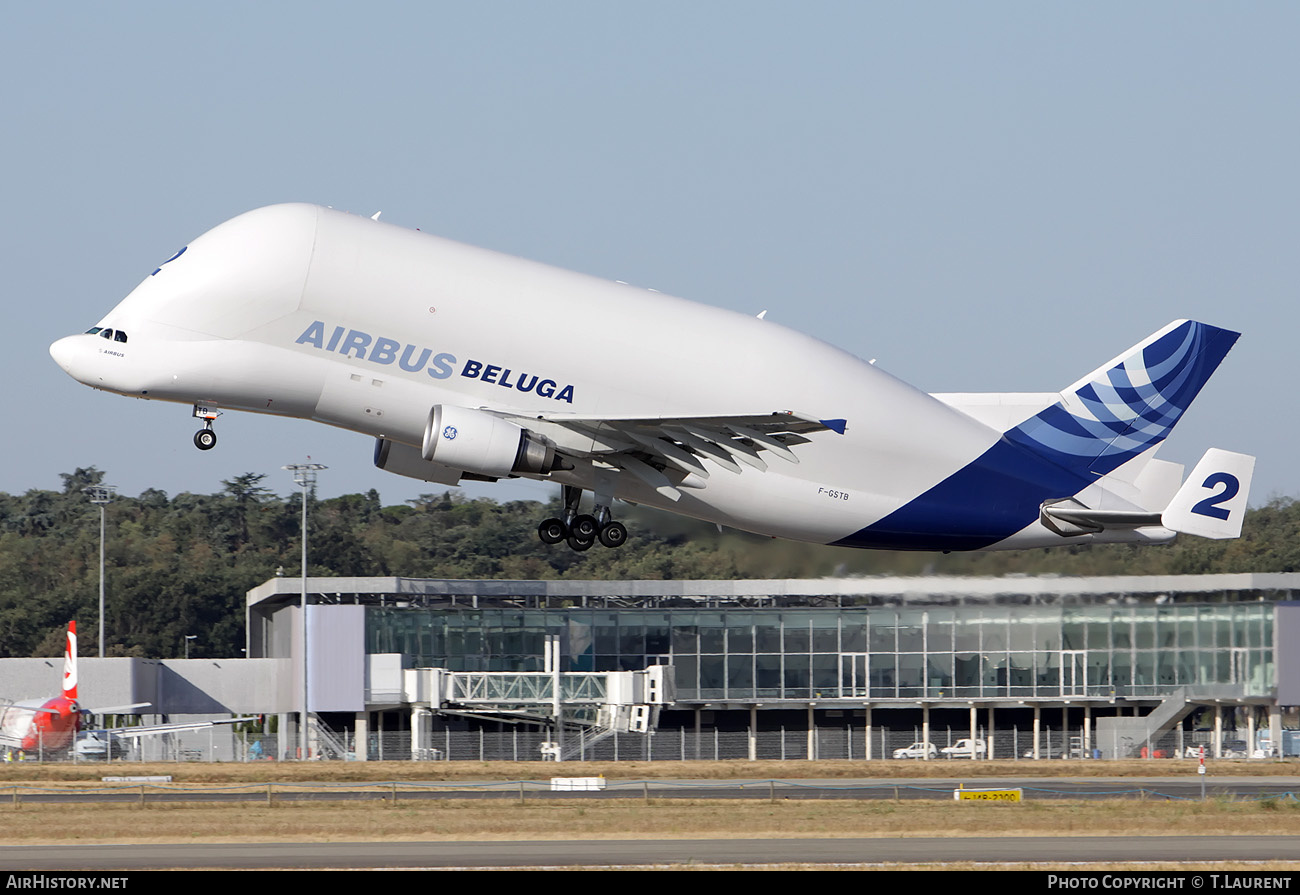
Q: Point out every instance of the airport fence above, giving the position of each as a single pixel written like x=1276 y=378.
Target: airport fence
x=851 y=742
x=784 y=744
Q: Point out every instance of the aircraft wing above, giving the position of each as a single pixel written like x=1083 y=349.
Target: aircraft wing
x=665 y=451
x=126 y=709
x=151 y=729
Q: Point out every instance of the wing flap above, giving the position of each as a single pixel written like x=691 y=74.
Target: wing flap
x=657 y=450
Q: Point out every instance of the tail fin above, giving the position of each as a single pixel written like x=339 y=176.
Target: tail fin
x=70 y=663
x=1128 y=405
x=1212 y=502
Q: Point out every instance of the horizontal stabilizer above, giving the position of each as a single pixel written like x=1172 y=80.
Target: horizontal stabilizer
x=1069 y=518
x=133 y=708
x=1212 y=502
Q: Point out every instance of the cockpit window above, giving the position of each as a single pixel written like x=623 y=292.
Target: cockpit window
x=93 y=330
x=106 y=334
x=120 y=336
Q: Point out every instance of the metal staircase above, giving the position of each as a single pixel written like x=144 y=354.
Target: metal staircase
x=326 y=743
x=1125 y=737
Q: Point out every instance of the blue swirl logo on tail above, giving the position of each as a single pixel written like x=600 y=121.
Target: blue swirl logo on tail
x=1119 y=411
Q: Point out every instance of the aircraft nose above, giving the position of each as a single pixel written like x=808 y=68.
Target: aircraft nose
x=64 y=352
x=76 y=355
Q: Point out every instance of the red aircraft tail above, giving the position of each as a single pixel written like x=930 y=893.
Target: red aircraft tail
x=70 y=663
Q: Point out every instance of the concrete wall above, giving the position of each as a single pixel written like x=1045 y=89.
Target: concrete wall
x=171 y=686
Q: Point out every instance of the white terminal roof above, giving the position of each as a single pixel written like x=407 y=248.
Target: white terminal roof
x=925 y=589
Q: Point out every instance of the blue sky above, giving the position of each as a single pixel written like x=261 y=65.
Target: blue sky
x=984 y=197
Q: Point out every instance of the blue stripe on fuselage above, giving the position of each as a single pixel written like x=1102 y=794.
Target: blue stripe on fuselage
x=979 y=505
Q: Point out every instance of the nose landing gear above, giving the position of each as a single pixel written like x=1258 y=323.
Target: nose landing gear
x=205 y=439
x=581 y=531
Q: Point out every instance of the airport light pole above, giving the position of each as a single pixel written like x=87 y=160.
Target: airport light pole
x=304 y=474
x=188 y=638
x=101 y=495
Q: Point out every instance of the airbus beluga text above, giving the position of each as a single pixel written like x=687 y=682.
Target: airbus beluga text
x=467 y=364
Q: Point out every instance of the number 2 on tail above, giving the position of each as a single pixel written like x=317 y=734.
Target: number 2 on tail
x=1210 y=506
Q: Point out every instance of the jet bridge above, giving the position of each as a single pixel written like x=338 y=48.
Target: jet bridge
x=602 y=703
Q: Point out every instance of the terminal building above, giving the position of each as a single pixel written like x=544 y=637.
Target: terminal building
x=830 y=668
x=861 y=668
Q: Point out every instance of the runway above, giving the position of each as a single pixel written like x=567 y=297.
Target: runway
x=1034 y=788
x=1194 y=850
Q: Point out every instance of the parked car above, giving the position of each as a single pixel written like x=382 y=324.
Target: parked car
x=966 y=748
x=917 y=750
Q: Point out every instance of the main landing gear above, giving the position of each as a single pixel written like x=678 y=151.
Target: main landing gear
x=205 y=439
x=581 y=531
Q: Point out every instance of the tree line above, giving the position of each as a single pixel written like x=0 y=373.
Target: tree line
x=181 y=565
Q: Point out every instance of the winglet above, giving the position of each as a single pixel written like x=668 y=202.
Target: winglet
x=835 y=425
x=1212 y=502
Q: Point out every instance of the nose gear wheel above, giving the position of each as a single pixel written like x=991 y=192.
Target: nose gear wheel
x=205 y=439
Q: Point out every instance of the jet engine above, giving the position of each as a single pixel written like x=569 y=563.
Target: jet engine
x=403 y=459
x=484 y=444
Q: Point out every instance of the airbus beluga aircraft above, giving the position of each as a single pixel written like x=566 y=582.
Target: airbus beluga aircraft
x=467 y=364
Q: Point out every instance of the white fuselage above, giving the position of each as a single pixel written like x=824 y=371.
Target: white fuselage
x=307 y=312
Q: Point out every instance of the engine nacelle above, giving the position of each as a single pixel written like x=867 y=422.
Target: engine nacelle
x=484 y=444
x=402 y=459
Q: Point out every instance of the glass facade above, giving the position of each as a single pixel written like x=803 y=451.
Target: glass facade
x=960 y=652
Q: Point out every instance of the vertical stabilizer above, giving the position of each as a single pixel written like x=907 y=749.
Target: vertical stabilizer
x=1129 y=405
x=70 y=663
